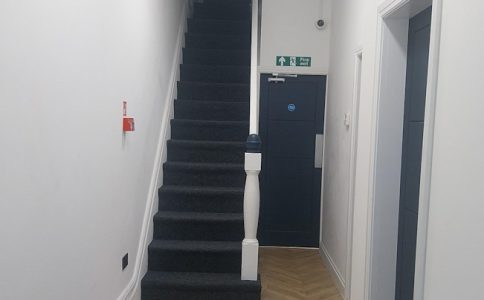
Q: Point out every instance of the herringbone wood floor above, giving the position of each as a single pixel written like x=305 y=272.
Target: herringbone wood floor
x=290 y=274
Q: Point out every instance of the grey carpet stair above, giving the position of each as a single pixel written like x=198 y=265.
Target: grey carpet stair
x=222 y=2
x=213 y=91
x=197 y=232
x=221 y=57
x=219 y=26
x=217 y=41
x=198 y=226
x=201 y=199
x=205 y=151
x=215 y=73
x=203 y=130
x=198 y=286
x=222 y=11
x=204 y=174
x=194 y=256
x=212 y=110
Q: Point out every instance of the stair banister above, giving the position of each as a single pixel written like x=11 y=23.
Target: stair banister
x=253 y=162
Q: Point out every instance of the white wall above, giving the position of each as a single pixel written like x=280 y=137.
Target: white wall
x=288 y=28
x=455 y=244
x=73 y=191
x=346 y=40
x=354 y=28
x=455 y=241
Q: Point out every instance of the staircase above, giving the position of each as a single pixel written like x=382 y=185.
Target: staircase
x=196 y=251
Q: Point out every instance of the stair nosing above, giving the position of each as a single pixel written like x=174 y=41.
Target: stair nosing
x=202 y=280
x=218 y=66
x=191 y=188
x=218 y=49
x=212 y=83
x=198 y=216
x=214 y=102
x=216 y=34
x=210 y=188
x=192 y=245
x=221 y=165
x=214 y=143
x=212 y=121
x=245 y=22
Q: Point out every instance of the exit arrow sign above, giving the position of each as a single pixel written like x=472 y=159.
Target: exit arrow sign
x=293 y=61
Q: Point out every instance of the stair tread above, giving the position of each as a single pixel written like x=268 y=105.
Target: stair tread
x=216 y=57
x=216 y=281
x=225 y=5
x=215 y=73
x=210 y=122
x=236 y=2
x=198 y=216
x=208 y=102
x=241 y=51
x=217 y=67
x=219 y=91
x=217 y=41
x=200 y=189
x=225 y=1
x=206 y=34
x=212 y=110
x=206 y=143
x=212 y=83
x=202 y=165
x=217 y=25
x=196 y=246
x=222 y=21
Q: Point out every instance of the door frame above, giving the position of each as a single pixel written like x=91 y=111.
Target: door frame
x=354 y=117
x=387 y=136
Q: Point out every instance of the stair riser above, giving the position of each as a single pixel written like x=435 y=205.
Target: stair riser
x=215 y=74
x=216 y=57
x=218 y=27
x=202 y=202
x=209 y=132
x=227 y=42
x=182 y=153
x=204 y=178
x=197 y=294
x=190 y=261
x=223 y=2
x=222 y=12
x=232 y=93
x=198 y=230
x=200 y=110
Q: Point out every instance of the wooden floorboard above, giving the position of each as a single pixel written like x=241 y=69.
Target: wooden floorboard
x=289 y=274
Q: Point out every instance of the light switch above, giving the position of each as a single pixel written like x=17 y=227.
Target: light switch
x=347 y=120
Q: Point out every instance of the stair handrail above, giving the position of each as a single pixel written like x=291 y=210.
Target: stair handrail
x=253 y=161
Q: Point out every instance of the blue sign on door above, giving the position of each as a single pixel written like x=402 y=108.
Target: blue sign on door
x=291 y=107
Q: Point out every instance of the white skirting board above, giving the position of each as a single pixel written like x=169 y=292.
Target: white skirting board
x=335 y=273
x=132 y=290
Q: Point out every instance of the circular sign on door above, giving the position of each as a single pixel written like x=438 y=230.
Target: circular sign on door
x=291 y=107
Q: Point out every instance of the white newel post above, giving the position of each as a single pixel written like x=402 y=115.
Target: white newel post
x=253 y=162
x=250 y=244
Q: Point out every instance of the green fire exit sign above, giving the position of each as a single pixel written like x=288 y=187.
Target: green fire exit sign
x=293 y=61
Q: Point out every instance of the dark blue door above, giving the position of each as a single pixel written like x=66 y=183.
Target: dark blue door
x=292 y=112
x=417 y=66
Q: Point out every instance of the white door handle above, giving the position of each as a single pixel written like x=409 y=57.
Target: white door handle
x=276 y=80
